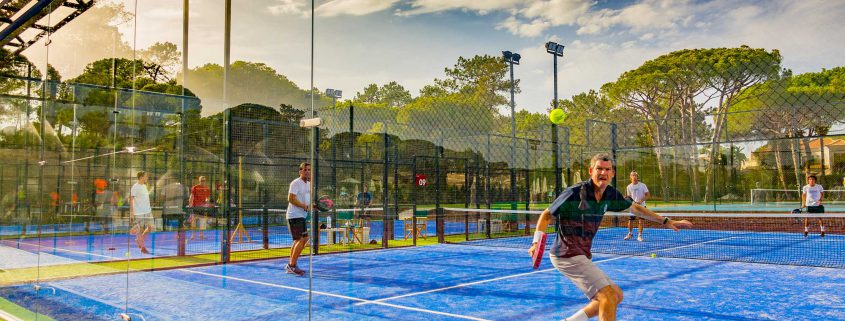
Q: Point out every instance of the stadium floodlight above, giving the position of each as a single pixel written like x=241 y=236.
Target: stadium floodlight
x=511 y=57
x=334 y=94
x=554 y=48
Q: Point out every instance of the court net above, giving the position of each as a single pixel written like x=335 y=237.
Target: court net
x=770 y=238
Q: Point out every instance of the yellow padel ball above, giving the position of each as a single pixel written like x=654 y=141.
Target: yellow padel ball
x=557 y=116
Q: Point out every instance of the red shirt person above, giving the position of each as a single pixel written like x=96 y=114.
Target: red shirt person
x=200 y=202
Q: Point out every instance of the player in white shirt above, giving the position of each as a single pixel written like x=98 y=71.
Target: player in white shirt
x=141 y=211
x=299 y=200
x=811 y=197
x=638 y=192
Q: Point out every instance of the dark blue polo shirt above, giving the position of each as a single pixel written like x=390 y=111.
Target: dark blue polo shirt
x=578 y=216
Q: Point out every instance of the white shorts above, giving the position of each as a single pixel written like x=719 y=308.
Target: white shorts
x=145 y=220
x=583 y=273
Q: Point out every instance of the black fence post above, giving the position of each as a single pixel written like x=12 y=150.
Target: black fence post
x=438 y=212
x=315 y=186
x=386 y=220
x=225 y=246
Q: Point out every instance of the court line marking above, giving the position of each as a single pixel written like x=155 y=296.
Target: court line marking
x=524 y=274
x=76 y=252
x=334 y=295
x=8 y=316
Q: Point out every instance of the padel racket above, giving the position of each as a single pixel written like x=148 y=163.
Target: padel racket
x=538 y=252
x=325 y=204
x=797 y=211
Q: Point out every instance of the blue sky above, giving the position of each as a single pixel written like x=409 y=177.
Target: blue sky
x=359 y=42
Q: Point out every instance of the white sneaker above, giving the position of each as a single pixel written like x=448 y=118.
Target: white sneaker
x=639 y=238
x=628 y=237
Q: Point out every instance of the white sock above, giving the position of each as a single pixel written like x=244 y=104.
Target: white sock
x=578 y=316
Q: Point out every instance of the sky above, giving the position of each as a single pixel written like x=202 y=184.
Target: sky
x=359 y=42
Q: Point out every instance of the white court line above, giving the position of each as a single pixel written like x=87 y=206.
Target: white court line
x=72 y=251
x=335 y=295
x=7 y=316
x=523 y=274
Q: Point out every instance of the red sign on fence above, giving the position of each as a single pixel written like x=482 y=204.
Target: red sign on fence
x=420 y=180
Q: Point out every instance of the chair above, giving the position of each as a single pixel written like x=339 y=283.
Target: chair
x=421 y=226
x=353 y=227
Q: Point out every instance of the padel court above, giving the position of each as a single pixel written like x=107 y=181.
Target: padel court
x=477 y=281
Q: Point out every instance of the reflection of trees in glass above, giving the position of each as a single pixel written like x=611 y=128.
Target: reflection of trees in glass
x=249 y=82
x=788 y=111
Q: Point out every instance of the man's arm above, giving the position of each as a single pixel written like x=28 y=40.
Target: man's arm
x=542 y=224
x=648 y=214
x=646 y=196
x=803 y=198
x=293 y=200
x=191 y=198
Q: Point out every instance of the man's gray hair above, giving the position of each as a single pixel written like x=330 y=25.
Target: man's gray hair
x=605 y=157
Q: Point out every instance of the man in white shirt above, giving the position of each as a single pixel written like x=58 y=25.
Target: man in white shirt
x=638 y=192
x=811 y=197
x=299 y=198
x=141 y=211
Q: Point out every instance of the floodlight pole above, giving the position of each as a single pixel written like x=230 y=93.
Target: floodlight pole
x=512 y=58
x=557 y=51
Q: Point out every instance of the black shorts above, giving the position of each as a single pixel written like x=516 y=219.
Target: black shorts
x=297 y=228
x=815 y=209
x=203 y=211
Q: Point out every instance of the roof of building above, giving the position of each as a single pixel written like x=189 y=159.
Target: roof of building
x=24 y=22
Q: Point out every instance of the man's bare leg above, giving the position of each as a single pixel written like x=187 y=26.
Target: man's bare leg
x=592 y=309
x=821 y=227
x=608 y=298
x=640 y=230
x=297 y=248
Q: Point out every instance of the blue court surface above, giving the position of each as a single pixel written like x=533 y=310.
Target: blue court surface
x=113 y=246
x=445 y=282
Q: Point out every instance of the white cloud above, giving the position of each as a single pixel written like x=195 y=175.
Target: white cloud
x=288 y=7
x=531 y=29
x=557 y=12
x=646 y=16
x=479 y=6
x=353 y=7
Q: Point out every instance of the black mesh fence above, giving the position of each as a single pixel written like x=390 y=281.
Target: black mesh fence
x=708 y=135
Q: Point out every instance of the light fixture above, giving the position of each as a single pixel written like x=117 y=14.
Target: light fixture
x=554 y=48
x=511 y=57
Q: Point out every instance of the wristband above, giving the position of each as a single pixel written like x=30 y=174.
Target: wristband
x=537 y=236
x=665 y=220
